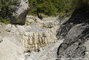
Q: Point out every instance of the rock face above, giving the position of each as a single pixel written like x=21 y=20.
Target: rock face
x=9 y=50
x=73 y=46
x=79 y=16
x=75 y=32
x=21 y=10
x=47 y=53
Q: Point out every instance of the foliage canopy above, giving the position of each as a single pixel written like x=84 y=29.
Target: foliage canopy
x=6 y=9
x=54 y=7
x=45 y=7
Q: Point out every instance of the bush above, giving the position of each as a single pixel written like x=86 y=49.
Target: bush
x=45 y=7
x=54 y=7
x=4 y=20
x=6 y=9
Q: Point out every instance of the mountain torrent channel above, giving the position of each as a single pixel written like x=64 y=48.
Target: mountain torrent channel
x=51 y=38
x=43 y=40
x=35 y=35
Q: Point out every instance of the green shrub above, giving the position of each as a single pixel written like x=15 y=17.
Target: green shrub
x=54 y=7
x=4 y=20
x=6 y=10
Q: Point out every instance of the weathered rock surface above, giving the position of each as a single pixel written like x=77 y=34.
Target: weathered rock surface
x=21 y=10
x=75 y=32
x=30 y=37
x=73 y=46
x=10 y=50
x=46 y=53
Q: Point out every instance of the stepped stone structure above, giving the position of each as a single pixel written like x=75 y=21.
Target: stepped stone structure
x=32 y=36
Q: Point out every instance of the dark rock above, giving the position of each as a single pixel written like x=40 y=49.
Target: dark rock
x=72 y=47
x=40 y=17
x=21 y=10
x=80 y=15
x=63 y=30
x=75 y=32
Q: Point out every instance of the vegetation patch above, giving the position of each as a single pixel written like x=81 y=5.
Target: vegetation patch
x=6 y=21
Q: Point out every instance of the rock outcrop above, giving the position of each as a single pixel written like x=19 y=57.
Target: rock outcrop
x=75 y=32
x=21 y=10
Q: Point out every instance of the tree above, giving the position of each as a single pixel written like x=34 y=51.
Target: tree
x=43 y=6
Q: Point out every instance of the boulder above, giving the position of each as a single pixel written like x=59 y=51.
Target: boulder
x=21 y=10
